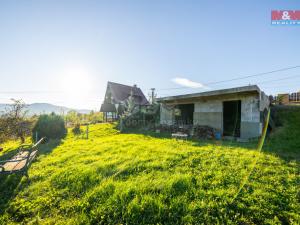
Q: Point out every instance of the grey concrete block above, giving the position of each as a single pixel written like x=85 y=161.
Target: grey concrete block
x=250 y=130
x=212 y=119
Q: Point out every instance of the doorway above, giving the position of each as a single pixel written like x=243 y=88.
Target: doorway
x=232 y=118
x=185 y=114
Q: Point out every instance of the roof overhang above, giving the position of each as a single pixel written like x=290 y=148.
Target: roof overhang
x=245 y=90
x=108 y=107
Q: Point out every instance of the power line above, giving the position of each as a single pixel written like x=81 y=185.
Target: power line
x=274 y=80
x=238 y=78
x=285 y=78
x=264 y=87
x=282 y=86
x=210 y=83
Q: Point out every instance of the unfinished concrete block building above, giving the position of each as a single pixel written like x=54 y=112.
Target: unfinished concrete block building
x=237 y=112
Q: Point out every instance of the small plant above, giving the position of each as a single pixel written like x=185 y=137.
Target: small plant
x=50 y=126
x=77 y=130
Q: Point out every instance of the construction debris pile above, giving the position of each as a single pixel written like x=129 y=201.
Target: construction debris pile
x=163 y=128
x=198 y=132
x=204 y=132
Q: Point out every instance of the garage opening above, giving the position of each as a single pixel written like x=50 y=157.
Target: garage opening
x=232 y=118
x=184 y=114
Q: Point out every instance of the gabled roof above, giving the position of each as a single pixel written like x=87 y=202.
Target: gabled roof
x=244 y=89
x=121 y=92
x=108 y=107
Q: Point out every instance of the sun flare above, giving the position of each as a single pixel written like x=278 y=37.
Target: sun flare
x=75 y=81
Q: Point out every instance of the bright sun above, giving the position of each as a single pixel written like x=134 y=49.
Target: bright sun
x=75 y=81
x=76 y=86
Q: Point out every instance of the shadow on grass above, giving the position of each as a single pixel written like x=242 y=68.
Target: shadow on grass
x=287 y=150
x=284 y=140
x=196 y=142
x=282 y=150
x=11 y=184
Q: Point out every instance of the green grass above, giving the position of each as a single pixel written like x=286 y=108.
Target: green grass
x=114 y=178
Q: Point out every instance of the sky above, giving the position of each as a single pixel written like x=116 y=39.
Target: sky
x=64 y=51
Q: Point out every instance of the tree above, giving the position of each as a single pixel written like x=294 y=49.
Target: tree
x=95 y=117
x=3 y=134
x=72 y=117
x=14 y=122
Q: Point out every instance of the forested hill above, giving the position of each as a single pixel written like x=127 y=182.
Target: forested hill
x=44 y=108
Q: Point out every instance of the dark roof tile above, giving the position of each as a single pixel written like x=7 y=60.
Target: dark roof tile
x=121 y=92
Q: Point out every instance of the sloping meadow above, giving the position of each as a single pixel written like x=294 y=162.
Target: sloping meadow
x=114 y=178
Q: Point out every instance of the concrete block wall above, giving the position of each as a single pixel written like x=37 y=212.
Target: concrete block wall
x=264 y=101
x=250 y=117
x=210 y=113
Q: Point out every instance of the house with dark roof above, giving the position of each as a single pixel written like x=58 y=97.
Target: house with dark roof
x=238 y=112
x=120 y=98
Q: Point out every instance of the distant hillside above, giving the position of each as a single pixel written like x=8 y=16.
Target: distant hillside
x=45 y=108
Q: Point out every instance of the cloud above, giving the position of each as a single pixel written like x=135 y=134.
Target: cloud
x=188 y=83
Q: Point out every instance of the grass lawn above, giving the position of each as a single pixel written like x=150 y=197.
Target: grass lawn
x=114 y=178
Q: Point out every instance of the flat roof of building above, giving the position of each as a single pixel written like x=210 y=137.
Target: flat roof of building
x=243 y=89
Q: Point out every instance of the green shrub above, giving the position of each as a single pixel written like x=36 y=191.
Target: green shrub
x=50 y=126
x=77 y=130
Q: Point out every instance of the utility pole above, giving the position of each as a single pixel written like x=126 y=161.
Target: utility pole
x=152 y=95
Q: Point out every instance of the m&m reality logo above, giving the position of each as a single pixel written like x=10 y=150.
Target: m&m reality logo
x=285 y=17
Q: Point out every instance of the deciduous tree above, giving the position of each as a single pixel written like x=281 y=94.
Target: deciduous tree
x=14 y=122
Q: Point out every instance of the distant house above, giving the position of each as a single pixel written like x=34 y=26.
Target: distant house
x=119 y=98
x=287 y=99
x=235 y=112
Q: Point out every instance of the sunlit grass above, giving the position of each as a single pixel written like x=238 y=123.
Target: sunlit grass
x=11 y=145
x=114 y=178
